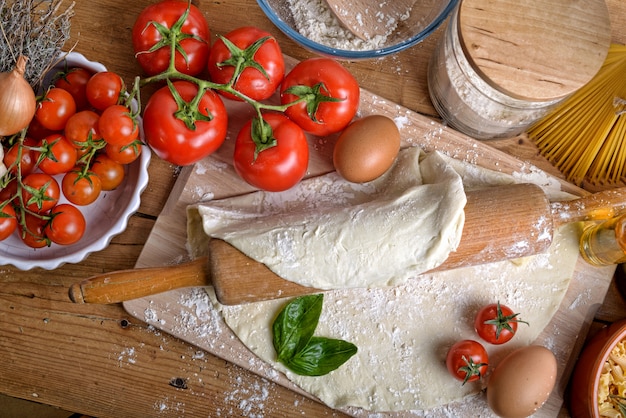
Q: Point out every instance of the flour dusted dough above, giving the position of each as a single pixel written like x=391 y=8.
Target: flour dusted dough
x=377 y=234
x=402 y=332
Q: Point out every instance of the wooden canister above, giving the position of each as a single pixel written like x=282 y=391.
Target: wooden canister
x=503 y=64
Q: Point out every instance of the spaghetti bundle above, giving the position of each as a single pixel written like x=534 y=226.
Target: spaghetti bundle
x=585 y=136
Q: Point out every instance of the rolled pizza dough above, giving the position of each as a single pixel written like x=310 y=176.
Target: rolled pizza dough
x=342 y=235
x=402 y=331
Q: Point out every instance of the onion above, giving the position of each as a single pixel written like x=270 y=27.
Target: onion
x=17 y=100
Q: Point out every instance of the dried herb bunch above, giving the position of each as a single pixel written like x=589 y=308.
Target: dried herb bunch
x=37 y=29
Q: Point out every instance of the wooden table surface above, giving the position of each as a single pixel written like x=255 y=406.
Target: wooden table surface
x=83 y=358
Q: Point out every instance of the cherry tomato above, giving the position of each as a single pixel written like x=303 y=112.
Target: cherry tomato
x=152 y=48
x=57 y=155
x=252 y=82
x=8 y=221
x=278 y=167
x=170 y=138
x=81 y=188
x=104 y=89
x=55 y=109
x=33 y=234
x=117 y=125
x=496 y=323
x=111 y=174
x=9 y=192
x=82 y=129
x=74 y=81
x=27 y=157
x=467 y=360
x=40 y=192
x=332 y=91
x=66 y=226
x=124 y=154
x=37 y=131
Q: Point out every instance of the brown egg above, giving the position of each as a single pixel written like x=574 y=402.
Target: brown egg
x=521 y=383
x=366 y=148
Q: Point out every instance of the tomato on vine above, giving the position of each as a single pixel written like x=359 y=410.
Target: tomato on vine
x=181 y=129
x=8 y=220
x=104 y=89
x=272 y=154
x=81 y=187
x=66 y=225
x=467 y=360
x=31 y=231
x=257 y=56
x=123 y=154
x=55 y=108
x=329 y=96
x=82 y=129
x=74 y=81
x=152 y=32
x=56 y=155
x=496 y=323
x=118 y=126
x=22 y=156
x=111 y=174
x=40 y=192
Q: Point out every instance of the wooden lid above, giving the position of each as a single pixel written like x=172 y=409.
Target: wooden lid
x=535 y=50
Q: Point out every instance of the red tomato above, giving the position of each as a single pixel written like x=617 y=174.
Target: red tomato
x=74 y=81
x=40 y=192
x=55 y=109
x=111 y=174
x=332 y=95
x=66 y=226
x=57 y=155
x=32 y=232
x=37 y=131
x=117 y=125
x=8 y=221
x=123 y=154
x=82 y=129
x=9 y=192
x=467 y=360
x=27 y=157
x=275 y=168
x=171 y=138
x=258 y=50
x=496 y=323
x=104 y=89
x=152 y=48
x=81 y=188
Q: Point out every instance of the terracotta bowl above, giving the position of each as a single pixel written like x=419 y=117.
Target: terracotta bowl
x=585 y=379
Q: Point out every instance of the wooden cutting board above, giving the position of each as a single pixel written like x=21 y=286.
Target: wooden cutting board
x=185 y=314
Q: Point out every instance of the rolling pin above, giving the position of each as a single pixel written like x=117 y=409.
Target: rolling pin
x=501 y=223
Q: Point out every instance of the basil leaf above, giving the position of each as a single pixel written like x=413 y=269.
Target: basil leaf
x=321 y=356
x=295 y=324
x=295 y=345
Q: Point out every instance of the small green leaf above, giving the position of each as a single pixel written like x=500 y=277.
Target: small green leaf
x=298 y=349
x=295 y=324
x=321 y=356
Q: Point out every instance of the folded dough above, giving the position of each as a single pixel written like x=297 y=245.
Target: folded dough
x=331 y=234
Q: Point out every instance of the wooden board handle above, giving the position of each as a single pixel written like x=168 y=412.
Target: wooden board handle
x=122 y=285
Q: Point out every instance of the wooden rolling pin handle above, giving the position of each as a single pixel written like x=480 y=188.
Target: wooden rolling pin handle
x=122 y=285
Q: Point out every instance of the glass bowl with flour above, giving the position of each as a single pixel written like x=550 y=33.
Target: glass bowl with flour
x=312 y=24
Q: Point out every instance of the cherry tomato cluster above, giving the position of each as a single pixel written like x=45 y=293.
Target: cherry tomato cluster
x=76 y=147
x=186 y=120
x=467 y=360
